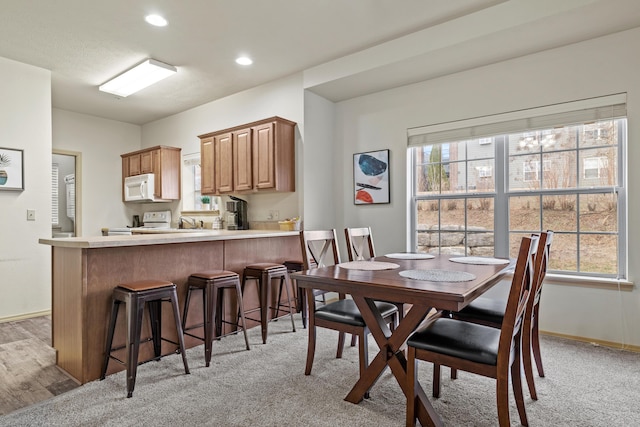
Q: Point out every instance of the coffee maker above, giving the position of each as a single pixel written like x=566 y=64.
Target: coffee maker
x=237 y=214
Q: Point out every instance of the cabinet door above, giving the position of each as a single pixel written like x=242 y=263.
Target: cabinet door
x=264 y=156
x=146 y=161
x=224 y=162
x=242 y=171
x=134 y=165
x=207 y=182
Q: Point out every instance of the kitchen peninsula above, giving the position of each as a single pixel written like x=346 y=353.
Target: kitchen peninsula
x=86 y=270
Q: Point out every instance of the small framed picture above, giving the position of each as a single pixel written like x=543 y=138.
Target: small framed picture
x=11 y=169
x=371 y=177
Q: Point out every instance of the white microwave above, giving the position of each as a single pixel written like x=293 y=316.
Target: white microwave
x=139 y=188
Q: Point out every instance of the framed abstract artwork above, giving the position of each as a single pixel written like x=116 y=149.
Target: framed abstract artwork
x=11 y=169
x=371 y=177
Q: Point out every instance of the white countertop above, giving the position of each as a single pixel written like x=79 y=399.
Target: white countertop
x=162 y=238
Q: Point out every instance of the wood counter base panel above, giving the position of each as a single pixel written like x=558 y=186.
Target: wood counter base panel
x=84 y=278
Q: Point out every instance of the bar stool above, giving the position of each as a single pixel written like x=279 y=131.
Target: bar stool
x=263 y=274
x=135 y=295
x=213 y=283
x=293 y=266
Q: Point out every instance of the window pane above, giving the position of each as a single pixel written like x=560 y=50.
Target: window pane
x=564 y=138
x=564 y=252
x=559 y=213
x=598 y=253
x=480 y=213
x=427 y=227
x=599 y=134
x=599 y=212
x=524 y=213
x=452 y=242
x=480 y=224
x=559 y=170
x=524 y=172
x=480 y=149
x=432 y=175
x=599 y=167
x=452 y=214
x=481 y=177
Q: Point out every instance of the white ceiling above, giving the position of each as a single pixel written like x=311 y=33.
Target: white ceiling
x=345 y=48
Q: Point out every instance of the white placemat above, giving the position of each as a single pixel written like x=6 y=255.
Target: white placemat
x=479 y=260
x=402 y=255
x=438 y=275
x=368 y=265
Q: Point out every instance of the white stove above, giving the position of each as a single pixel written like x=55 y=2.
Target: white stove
x=150 y=221
x=158 y=219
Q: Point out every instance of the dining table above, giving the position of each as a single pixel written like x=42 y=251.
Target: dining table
x=423 y=283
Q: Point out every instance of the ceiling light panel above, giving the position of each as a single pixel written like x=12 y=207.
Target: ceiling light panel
x=138 y=78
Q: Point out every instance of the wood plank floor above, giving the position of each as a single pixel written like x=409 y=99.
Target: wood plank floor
x=28 y=372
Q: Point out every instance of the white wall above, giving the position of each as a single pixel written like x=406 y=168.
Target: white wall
x=25 y=123
x=282 y=98
x=100 y=143
x=602 y=66
x=319 y=173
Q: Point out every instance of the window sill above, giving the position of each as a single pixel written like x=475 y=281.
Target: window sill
x=590 y=282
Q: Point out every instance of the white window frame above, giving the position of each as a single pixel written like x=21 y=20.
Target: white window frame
x=585 y=111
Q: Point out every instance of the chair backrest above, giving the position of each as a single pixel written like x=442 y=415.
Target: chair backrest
x=540 y=265
x=359 y=243
x=319 y=248
x=521 y=286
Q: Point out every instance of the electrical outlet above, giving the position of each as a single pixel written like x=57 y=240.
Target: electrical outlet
x=31 y=214
x=274 y=215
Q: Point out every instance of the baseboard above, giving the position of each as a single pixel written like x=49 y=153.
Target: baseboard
x=610 y=344
x=25 y=316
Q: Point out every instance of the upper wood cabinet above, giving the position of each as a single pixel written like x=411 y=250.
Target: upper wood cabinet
x=163 y=162
x=258 y=156
x=207 y=181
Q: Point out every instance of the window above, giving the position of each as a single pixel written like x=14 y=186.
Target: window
x=566 y=178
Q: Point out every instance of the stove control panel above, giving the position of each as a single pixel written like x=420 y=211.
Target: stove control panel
x=158 y=217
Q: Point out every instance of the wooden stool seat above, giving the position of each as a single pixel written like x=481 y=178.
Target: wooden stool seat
x=213 y=283
x=263 y=273
x=135 y=295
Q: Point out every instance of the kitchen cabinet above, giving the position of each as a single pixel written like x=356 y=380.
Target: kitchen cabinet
x=207 y=180
x=163 y=162
x=255 y=157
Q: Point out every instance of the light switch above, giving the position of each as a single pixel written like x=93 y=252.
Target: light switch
x=31 y=214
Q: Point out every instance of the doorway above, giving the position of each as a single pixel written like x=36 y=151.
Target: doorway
x=65 y=194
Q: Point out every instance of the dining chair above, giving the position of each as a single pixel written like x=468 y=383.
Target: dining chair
x=476 y=348
x=320 y=247
x=360 y=247
x=490 y=312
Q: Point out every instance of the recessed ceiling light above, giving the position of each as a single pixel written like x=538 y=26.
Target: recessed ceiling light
x=156 y=20
x=244 y=60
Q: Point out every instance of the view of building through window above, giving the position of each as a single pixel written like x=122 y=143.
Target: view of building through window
x=566 y=179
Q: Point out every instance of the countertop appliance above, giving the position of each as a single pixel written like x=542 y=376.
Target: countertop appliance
x=237 y=214
x=150 y=220
x=140 y=188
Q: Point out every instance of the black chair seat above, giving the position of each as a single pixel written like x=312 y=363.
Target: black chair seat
x=346 y=311
x=460 y=339
x=485 y=310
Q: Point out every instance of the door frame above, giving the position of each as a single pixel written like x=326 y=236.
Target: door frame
x=77 y=224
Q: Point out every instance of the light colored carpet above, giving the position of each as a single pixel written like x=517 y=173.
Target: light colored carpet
x=585 y=385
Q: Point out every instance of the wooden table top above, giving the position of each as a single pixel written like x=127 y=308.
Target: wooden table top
x=389 y=285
